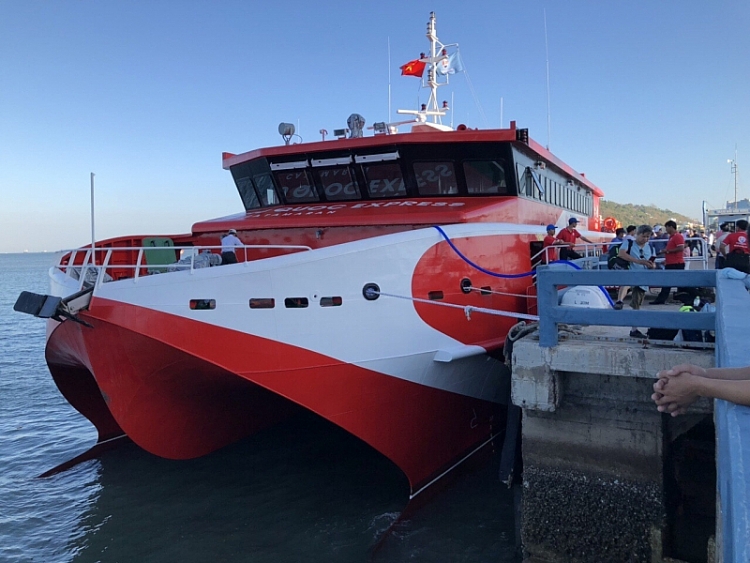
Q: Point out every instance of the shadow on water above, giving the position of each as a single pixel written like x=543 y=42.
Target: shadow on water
x=302 y=491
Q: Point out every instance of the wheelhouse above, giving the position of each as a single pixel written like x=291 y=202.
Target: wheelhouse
x=502 y=163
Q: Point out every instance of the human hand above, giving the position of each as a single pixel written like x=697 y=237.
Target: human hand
x=682 y=368
x=674 y=393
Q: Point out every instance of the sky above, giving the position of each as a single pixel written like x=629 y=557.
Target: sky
x=649 y=98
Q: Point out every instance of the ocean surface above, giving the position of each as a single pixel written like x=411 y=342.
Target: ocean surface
x=302 y=491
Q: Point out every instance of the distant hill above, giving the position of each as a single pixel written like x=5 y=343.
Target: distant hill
x=629 y=214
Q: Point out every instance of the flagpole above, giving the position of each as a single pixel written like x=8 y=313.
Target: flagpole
x=93 y=238
x=546 y=49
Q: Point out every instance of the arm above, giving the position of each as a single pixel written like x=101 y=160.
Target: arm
x=584 y=239
x=723 y=248
x=628 y=258
x=679 y=249
x=710 y=373
x=680 y=386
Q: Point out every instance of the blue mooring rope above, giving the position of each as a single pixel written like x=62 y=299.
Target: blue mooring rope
x=511 y=276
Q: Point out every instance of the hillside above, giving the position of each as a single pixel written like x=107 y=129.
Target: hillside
x=629 y=214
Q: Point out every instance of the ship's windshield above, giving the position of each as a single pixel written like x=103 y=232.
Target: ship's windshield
x=296 y=186
x=393 y=171
x=435 y=178
x=384 y=180
x=338 y=183
x=485 y=177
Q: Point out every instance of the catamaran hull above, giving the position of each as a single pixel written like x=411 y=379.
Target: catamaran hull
x=177 y=405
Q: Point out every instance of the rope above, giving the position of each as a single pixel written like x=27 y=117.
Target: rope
x=479 y=289
x=477 y=266
x=512 y=276
x=468 y=309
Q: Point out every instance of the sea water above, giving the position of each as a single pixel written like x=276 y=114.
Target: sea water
x=302 y=491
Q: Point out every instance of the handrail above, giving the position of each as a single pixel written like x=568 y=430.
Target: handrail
x=732 y=427
x=551 y=313
x=89 y=262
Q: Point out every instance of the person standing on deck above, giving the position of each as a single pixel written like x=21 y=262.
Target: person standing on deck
x=736 y=249
x=724 y=231
x=568 y=237
x=228 y=242
x=639 y=258
x=674 y=258
x=550 y=240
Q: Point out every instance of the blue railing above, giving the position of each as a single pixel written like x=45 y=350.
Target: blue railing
x=550 y=313
x=733 y=425
x=731 y=322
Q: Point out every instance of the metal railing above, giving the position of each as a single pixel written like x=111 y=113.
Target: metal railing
x=732 y=427
x=599 y=249
x=88 y=272
x=551 y=313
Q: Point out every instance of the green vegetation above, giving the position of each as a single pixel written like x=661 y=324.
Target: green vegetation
x=628 y=214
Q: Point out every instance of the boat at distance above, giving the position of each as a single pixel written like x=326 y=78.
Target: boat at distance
x=380 y=273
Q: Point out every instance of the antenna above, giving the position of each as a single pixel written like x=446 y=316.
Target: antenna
x=546 y=50
x=501 y=112
x=733 y=168
x=389 y=79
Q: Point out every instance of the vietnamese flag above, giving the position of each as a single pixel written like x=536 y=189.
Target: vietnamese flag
x=413 y=68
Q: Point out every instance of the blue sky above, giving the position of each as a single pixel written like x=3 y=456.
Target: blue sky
x=648 y=98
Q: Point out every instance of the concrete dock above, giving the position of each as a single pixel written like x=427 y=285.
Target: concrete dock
x=606 y=477
x=600 y=481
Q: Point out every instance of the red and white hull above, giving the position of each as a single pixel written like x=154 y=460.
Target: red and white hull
x=182 y=382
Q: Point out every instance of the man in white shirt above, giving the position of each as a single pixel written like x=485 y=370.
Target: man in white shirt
x=228 y=242
x=639 y=258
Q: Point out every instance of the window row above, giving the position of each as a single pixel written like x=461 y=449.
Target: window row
x=269 y=303
x=304 y=182
x=544 y=188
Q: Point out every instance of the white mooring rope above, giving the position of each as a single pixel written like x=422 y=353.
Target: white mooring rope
x=468 y=309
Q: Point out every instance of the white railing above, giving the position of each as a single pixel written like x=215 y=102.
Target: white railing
x=591 y=250
x=89 y=273
x=590 y=253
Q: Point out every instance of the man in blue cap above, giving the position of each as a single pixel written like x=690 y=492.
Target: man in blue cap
x=568 y=237
x=549 y=240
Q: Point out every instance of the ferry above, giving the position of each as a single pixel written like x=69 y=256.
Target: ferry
x=379 y=274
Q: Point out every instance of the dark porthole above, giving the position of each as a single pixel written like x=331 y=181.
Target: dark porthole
x=295 y=302
x=262 y=303
x=330 y=301
x=435 y=295
x=202 y=304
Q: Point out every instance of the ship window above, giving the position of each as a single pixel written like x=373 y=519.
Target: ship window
x=202 y=304
x=330 y=301
x=295 y=302
x=266 y=191
x=435 y=178
x=262 y=303
x=384 y=180
x=485 y=177
x=296 y=185
x=338 y=183
x=247 y=193
x=435 y=295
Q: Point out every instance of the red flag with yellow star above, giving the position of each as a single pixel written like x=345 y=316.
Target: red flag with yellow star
x=413 y=68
